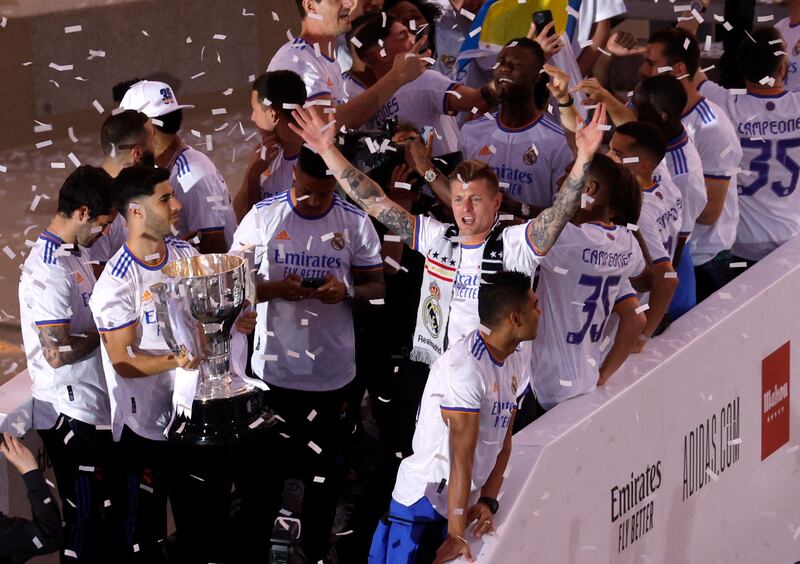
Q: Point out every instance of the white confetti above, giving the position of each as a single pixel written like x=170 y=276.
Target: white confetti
x=219 y=37
x=97 y=106
x=219 y=111
x=565 y=383
x=60 y=68
x=69 y=436
x=313 y=446
x=72 y=29
x=642 y=308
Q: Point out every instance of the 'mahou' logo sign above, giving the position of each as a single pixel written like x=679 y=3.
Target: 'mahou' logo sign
x=775 y=401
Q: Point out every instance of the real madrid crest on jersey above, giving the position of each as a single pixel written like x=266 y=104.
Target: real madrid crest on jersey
x=530 y=156
x=514 y=383
x=433 y=312
x=337 y=242
x=796 y=48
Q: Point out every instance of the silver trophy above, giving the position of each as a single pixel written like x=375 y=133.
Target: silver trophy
x=196 y=307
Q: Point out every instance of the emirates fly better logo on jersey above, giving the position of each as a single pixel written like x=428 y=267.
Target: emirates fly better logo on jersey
x=775 y=401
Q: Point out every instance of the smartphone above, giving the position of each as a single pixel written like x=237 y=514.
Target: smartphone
x=312 y=282
x=541 y=19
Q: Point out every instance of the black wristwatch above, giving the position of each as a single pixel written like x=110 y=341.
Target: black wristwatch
x=490 y=502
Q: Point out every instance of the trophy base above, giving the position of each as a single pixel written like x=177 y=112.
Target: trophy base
x=222 y=388
x=223 y=421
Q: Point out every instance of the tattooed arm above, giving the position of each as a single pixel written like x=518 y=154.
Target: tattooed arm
x=361 y=188
x=545 y=229
x=60 y=348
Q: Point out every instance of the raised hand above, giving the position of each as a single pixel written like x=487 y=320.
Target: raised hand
x=551 y=44
x=419 y=155
x=409 y=66
x=588 y=138
x=622 y=44
x=595 y=93
x=559 y=83
x=316 y=133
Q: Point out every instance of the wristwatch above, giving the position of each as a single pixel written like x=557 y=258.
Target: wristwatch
x=490 y=502
x=430 y=175
x=566 y=104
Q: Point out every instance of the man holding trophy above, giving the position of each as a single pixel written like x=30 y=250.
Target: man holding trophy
x=141 y=366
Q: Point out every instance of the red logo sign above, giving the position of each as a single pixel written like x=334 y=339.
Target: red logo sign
x=775 y=401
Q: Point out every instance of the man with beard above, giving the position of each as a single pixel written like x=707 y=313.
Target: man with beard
x=127 y=140
x=139 y=365
x=527 y=150
x=70 y=401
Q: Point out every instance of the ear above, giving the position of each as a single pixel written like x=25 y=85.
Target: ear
x=310 y=6
x=679 y=69
x=82 y=214
x=516 y=320
x=592 y=187
x=273 y=114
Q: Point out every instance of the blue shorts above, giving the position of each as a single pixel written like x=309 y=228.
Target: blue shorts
x=685 y=297
x=398 y=536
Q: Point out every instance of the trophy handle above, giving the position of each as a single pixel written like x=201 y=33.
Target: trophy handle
x=160 y=293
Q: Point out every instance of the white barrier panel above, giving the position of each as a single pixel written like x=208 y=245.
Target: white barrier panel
x=690 y=454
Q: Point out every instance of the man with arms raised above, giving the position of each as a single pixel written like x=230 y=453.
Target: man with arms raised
x=456 y=254
x=463 y=438
x=70 y=400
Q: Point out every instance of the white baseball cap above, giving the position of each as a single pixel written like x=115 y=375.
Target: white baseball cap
x=152 y=98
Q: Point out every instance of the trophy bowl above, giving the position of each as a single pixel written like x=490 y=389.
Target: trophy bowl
x=196 y=307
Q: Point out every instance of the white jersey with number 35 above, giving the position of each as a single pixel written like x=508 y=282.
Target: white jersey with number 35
x=768 y=124
x=579 y=284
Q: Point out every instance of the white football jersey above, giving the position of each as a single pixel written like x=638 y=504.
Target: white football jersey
x=528 y=160
x=108 y=243
x=203 y=193
x=466 y=378
x=122 y=298
x=686 y=170
x=54 y=289
x=579 y=285
x=660 y=222
x=422 y=102
x=279 y=177
x=321 y=74
x=519 y=253
x=791 y=35
x=307 y=345
x=720 y=152
x=768 y=125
